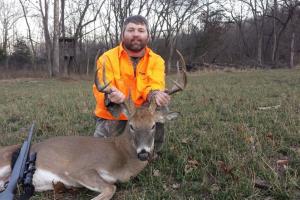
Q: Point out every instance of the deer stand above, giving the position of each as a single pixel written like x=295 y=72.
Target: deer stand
x=68 y=56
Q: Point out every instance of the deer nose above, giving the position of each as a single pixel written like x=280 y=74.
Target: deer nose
x=143 y=155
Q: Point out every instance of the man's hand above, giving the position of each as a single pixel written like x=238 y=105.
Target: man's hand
x=116 y=96
x=162 y=98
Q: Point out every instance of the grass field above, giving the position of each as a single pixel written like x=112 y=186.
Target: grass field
x=238 y=137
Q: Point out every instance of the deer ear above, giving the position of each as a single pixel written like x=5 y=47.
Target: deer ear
x=163 y=117
x=171 y=115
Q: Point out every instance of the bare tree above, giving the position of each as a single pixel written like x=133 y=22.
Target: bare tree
x=259 y=10
x=292 y=5
x=83 y=17
x=239 y=16
x=289 y=6
x=44 y=11
x=175 y=15
x=25 y=13
x=275 y=10
x=292 y=49
x=62 y=18
x=9 y=15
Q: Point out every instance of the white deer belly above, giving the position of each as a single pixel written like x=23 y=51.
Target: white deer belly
x=43 y=180
x=4 y=171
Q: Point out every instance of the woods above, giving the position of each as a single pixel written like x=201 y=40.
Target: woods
x=63 y=37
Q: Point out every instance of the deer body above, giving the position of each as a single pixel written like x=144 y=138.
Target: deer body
x=78 y=161
x=110 y=159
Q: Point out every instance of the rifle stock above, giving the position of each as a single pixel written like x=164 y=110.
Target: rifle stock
x=18 y=170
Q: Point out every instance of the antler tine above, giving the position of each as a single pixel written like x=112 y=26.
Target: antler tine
x=181 y=79
x=128 y=106
x=102 y=88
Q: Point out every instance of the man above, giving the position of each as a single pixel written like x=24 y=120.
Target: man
x=135 y=67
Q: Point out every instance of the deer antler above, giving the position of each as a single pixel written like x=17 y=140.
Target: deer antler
x=102 y=88
x=126 y=107
x=181 y=79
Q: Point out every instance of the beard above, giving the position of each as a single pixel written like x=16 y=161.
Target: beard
x=135 y=45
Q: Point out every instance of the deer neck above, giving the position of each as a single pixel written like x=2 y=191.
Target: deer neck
x=125 y=144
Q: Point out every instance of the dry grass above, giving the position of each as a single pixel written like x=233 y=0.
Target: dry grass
x=224 y=147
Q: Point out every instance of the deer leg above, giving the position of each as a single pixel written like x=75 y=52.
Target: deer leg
x=93 y=181
x=4 y=176
x=3 y=181
x=107 y=193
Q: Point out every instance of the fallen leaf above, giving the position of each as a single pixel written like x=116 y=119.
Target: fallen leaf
x=172 y=147
x=250 y=139
x=270 y=136
x=241 y=128
x=185 y=141
x=214 y=188
x=262 y=184
x=282 y=162
x=191 y=165
x=176 y=186
x=227 y=169
x=156 y=173
x=165 y=187
x=59 y=187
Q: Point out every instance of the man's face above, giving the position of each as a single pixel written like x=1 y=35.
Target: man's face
x=135 y=37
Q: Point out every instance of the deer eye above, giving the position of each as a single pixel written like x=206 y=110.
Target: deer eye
x=131 y=127
x=153 y=127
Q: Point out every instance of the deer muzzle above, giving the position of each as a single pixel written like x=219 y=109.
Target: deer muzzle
x=144 y=155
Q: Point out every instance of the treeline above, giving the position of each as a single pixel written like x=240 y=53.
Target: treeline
x=64 y=36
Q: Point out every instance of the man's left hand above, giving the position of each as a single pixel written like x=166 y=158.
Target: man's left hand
x=162 y=98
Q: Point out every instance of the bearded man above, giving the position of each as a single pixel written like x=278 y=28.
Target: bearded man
x=131 y=66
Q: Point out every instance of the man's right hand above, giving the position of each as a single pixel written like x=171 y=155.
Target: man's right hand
x=116 y=96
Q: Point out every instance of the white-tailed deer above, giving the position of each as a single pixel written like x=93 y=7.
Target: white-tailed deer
x=96 y=163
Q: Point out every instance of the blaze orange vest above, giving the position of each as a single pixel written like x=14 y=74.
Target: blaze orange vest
x=149 y=75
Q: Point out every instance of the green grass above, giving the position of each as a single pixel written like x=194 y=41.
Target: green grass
x=224 y=142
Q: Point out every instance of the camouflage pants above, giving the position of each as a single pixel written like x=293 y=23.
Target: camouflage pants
x=108 y=128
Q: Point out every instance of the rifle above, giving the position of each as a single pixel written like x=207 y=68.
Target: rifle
x=22 y=172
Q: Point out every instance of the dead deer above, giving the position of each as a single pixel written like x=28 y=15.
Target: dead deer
x=96 y=163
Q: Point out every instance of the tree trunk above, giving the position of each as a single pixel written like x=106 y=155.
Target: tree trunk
x=63 y=64
x=5 y=42
x=56 y=69
x=259 y=48
x=48 y=42
x=292 y=53
x=171 y=52
x=273 y=59
x=29 y=35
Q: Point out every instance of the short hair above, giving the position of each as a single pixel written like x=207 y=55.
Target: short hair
x=136 y=19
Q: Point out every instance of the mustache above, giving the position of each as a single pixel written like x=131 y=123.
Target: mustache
x=136 y=39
